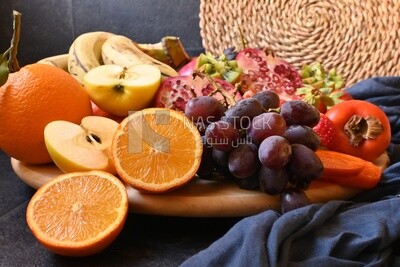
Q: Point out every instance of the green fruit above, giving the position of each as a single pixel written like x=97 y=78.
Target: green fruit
x=219 y=67
x=315 y=75
x=321 y=89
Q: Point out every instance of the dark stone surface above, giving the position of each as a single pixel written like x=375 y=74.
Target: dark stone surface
x=49 y=26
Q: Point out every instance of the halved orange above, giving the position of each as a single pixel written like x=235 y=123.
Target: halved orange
x=156 y=150
x=78 y=214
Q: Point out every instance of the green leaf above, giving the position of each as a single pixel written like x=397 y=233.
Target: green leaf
x=4 y=70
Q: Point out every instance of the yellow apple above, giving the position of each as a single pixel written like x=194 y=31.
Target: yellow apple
x=84 y=147
x=119 y=90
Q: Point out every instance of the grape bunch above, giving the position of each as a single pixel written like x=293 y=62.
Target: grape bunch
x=260 y=143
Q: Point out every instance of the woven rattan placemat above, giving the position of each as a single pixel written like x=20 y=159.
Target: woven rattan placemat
x=361 y=38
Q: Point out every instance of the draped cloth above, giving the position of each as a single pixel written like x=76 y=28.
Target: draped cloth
x=363 y=231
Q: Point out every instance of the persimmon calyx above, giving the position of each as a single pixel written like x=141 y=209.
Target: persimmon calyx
x=359 y=129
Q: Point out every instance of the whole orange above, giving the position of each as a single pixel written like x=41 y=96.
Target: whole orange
x=31 y=98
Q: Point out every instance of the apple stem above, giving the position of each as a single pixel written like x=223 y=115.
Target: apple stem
x=119 y=88
x=123 y=73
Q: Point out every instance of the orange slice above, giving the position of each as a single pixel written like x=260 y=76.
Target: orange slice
x=156 y=150
x=78 y=214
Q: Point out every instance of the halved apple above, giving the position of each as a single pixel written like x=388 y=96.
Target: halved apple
x=84 y=147
x=119 y=90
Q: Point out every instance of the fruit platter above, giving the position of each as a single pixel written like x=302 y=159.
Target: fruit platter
x=206 y=136
x=200 y=197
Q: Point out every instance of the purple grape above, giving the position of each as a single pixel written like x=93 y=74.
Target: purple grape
x=230 y=53
x=248 y=183
x=304 y=166
x=222 y=135
x=201 y=127
x=274 y=152
x=268 y=99
x=220 y=157
x=300 y=134
x=204 y=109
x=272 y=182
x=264 y=125
x=243 y=161
x=300 y=112
x=293 y=198
x=241 y=114
x=207 y=164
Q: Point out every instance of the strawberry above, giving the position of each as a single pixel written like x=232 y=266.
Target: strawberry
x=326 y=132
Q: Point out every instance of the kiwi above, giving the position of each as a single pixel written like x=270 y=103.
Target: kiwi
x=232 y=76
x=219 y=67
x=315 y=75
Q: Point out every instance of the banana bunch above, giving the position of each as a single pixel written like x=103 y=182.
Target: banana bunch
x=93 y=49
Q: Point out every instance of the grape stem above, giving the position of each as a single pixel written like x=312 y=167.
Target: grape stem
x=228 y=98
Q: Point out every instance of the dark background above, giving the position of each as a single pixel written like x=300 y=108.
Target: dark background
x=48 y=28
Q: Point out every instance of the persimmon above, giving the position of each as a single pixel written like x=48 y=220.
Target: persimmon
x=362 y=128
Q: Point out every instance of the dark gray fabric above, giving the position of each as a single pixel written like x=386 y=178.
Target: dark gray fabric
x=362 y=232
x=145 y=240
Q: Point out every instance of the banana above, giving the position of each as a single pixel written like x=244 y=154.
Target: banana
x=156 y=51
x=169 y=51
x=173 y=47
x=85 y=53
x=59 y=61
x=123 y=51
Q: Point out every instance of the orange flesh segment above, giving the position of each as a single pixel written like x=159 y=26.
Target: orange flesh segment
x=78 y=214
x=157 y=152
x=76 y=211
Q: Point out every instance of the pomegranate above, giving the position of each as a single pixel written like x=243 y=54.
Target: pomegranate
x=175 y=92
x=266 y=72
x=188 y=68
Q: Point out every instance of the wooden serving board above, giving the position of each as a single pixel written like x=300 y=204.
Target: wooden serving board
x=199 y=198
